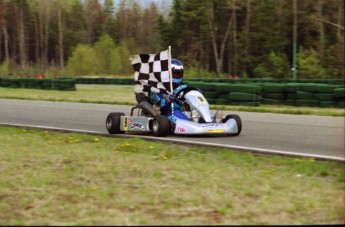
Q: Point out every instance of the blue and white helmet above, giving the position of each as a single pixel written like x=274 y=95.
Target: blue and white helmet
x=177 y=70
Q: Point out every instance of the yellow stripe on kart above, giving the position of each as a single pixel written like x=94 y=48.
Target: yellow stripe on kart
x=214 y=130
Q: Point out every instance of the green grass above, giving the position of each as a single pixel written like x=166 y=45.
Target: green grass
x=112 y=94
x=55 y=178
x=124 y=95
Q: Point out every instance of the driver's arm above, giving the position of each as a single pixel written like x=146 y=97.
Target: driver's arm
x=157 y=99
x=141 y=97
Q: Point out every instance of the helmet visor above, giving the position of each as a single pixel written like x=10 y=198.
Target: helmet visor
x=177 y=73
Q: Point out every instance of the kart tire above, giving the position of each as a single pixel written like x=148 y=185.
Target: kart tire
x=238 y=122
x=113 y=123
x=160 y=126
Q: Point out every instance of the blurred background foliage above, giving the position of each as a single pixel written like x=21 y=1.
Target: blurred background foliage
x=213 y=38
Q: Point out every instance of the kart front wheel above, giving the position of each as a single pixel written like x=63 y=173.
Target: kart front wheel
x=238 y=122
x=113 y=123
x=160 y=126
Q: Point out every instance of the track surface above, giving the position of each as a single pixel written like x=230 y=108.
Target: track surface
x=302 y=135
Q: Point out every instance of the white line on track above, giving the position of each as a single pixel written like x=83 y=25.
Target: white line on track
x=253 y=149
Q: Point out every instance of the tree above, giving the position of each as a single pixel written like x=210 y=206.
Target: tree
x=149 y=33
x=265 y=39
x=62 y=6
x=108 y=18
x=75 y=30
x=92 y=17
x=21 y=8
x=321 y=46
x=104 y=50
x=123 y=51
x=171 y=31
x=219 y=38
x=41 y=14
x=3 y=30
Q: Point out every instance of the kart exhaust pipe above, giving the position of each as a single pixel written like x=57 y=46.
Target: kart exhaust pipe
x=148 y=108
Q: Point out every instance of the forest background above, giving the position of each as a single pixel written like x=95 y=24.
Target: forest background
x=213 y=38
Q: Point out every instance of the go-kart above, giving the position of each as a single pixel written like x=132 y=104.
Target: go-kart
x=196 y=107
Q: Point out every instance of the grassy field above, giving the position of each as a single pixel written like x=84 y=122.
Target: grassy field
x=124 y=94
x=55 y=178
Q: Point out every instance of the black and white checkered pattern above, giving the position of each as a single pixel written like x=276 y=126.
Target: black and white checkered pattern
x=151 y=72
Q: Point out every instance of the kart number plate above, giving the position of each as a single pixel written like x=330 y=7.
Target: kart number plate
x=125 y=124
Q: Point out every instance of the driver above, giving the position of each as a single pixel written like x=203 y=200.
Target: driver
x=164 y=101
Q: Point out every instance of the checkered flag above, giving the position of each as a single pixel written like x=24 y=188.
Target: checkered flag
x=151 y=72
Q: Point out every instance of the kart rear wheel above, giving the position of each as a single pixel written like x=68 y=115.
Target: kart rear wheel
x=160 y=126
x=113 y=123
x=238 y=122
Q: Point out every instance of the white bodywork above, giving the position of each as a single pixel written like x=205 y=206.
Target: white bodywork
x=199 y=104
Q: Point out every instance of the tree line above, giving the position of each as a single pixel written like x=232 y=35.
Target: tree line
x=240 y=38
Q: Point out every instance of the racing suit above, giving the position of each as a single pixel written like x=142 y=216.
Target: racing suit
x=165 y=106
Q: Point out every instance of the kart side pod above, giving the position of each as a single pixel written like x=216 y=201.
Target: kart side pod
x=135 y=124
x=118 y=123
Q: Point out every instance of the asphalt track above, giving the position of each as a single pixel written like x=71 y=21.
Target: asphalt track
x=298 y=135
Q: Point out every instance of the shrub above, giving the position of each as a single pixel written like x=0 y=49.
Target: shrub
x=276 y=66
x=309 y=66
x=83 y=61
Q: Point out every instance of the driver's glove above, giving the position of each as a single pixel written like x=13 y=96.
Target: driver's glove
x=170 y=98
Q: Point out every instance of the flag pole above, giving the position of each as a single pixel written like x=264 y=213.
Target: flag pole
x=170 y=78
x=170 y=72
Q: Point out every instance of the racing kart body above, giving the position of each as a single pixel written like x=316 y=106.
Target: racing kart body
x=196 y=107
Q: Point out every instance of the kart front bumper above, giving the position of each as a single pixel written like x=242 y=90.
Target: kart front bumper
x=184 y=127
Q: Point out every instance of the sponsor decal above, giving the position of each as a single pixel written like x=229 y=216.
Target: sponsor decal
x=125 y=124
x=181 y=130
x=136 y=125
x=130 y=120
x=213 y=125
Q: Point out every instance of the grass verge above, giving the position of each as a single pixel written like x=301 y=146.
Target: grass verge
x=55 y=178
x=124 y=95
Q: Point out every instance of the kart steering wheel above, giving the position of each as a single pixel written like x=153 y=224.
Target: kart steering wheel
x=181 y=93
